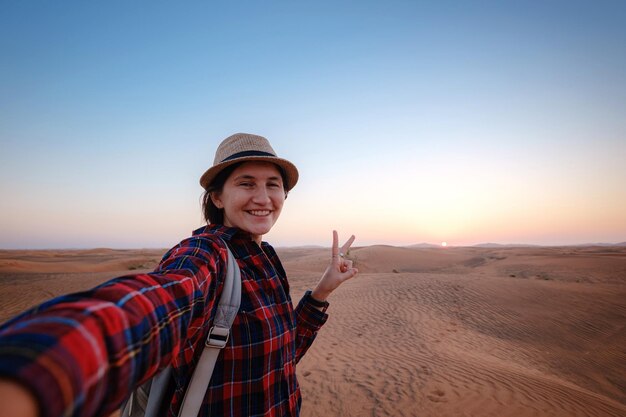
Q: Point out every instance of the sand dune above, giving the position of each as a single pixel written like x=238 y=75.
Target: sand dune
x=67 y=261
x=426 y=331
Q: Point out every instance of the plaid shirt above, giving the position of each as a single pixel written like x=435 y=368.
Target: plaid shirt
x=82 y=354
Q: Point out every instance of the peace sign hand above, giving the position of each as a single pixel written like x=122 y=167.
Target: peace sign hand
x=339 y=270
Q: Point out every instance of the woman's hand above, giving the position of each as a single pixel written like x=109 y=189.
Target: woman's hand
x=16 y=401
x=339 y=270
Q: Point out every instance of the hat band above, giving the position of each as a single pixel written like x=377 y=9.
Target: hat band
x=247 y=153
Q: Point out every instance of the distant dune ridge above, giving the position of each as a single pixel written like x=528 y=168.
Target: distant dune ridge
x=425 y=331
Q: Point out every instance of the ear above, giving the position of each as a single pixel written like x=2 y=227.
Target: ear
x=217 y=201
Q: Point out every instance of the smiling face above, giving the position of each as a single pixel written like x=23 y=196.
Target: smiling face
x=252 y=198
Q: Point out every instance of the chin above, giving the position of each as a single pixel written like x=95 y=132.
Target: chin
x=258 y=227
x=260 y=231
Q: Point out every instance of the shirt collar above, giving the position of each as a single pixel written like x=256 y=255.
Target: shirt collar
x=224 y=232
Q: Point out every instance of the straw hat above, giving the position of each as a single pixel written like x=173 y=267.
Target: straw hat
x=242 y=147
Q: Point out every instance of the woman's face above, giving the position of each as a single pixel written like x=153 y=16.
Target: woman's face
x=252 y=198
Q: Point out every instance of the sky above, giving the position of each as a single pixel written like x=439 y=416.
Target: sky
x=409 y=121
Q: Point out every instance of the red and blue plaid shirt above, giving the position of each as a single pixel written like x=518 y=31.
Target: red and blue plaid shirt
x=82 y=354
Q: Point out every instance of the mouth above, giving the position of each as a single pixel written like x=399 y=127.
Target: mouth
x=259 y=213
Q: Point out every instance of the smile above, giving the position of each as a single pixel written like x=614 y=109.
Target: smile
x=259 y=213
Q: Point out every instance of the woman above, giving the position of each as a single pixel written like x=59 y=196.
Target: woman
x=82 y=354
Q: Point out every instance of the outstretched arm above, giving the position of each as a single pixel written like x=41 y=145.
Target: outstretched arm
x=83 y=353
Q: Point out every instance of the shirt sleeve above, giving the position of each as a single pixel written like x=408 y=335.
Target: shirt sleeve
x=308 y=322
x=82 y=354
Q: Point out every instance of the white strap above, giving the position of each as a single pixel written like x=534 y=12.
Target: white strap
x=216 y=340
x=157 y=391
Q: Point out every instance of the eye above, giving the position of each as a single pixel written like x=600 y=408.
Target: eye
x=246 y=184
x=273 y=185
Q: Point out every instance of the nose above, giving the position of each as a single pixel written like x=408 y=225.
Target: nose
x=261 y=196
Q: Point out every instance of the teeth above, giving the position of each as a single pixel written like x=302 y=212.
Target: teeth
x=259 y=212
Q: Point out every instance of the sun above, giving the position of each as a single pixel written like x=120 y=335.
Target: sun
x=444 y=244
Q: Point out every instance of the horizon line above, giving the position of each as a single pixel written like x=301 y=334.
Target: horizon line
x=485 y=245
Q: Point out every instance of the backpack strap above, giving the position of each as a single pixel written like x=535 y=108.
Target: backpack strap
x=216 y=340
x=147 y=400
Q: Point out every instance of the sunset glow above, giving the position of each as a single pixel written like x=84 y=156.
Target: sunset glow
x=477 y=124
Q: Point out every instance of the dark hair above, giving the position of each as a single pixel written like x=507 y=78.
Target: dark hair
x=211 y=213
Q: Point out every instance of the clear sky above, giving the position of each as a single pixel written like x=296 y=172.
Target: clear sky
x=464 y=122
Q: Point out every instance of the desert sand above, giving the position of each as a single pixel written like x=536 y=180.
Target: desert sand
x=424 y=331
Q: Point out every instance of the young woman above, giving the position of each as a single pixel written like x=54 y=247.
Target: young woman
x=83 y=354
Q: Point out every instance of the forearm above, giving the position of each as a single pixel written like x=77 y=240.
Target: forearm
x=82 y=351
x=320 y=295
x=82 y=354
x=309 y=320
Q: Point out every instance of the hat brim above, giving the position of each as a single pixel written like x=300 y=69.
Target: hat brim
x=290 y=170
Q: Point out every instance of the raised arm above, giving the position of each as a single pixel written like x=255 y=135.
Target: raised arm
x=311 y=310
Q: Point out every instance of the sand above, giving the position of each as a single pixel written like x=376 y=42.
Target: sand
x=425 y=331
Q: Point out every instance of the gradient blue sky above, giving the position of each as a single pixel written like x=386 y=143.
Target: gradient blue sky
x=410 y=121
